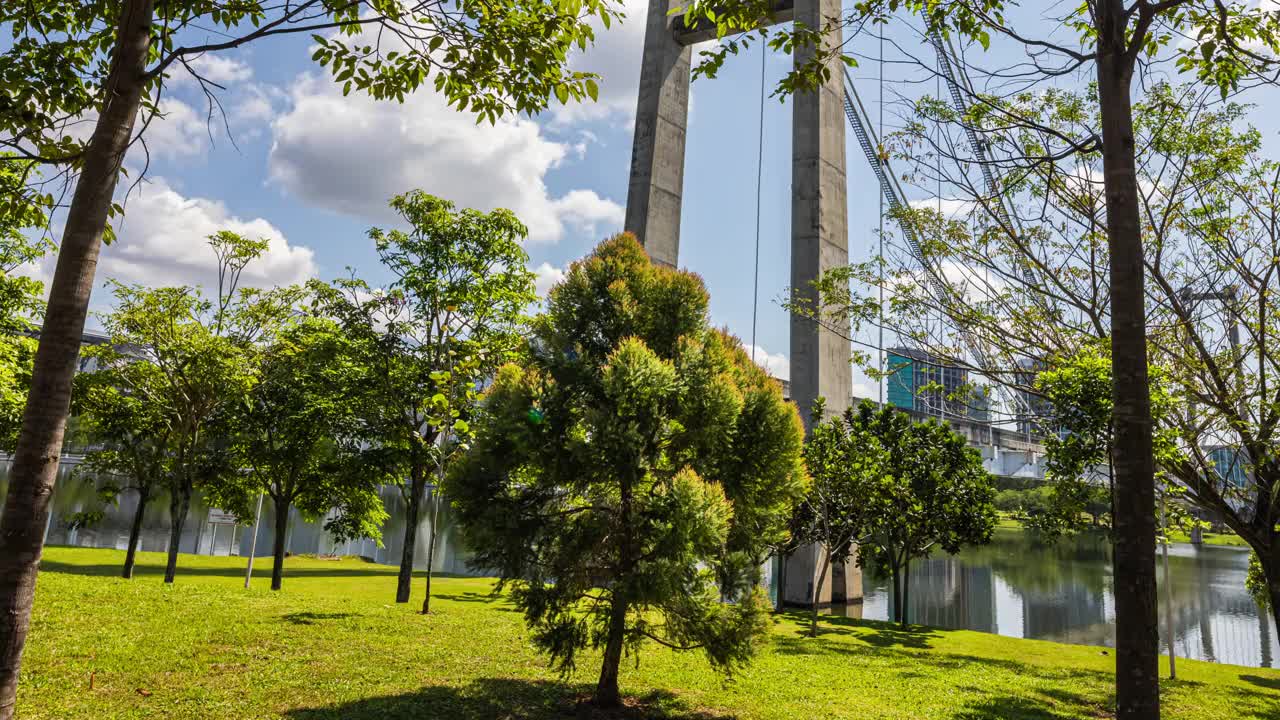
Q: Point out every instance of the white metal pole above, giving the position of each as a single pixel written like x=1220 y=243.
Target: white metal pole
x=253 y=544
x=1168 y=595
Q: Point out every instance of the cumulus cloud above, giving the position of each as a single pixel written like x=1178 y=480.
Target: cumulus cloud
x=177 y=132
x=218 y=68
x=546 y=277
x=161 y=240
x=615 y=57
x=775 y=364
x=352 y=154
x=589 y=213
x=951 y=208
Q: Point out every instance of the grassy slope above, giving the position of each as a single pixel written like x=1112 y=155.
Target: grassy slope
x=331 y=645
x=1007 y=522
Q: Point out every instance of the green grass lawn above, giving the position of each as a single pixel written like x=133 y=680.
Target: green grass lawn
x=1227 y=538
x=1008 y=522
x=332 y=645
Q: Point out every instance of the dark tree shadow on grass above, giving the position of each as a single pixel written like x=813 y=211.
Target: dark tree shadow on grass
x=1019 y=708
x=505 y=699
x=872 y=632
x=499 y=602
x=147 y=571
x=1266 y=682
x=313 y=618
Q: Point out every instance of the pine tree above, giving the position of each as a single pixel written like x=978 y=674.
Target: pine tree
x=627 y=479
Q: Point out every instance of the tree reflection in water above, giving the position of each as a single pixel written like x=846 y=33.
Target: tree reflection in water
x=1063 y=592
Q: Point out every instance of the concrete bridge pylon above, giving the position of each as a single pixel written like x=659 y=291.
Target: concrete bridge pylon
x=819 y=356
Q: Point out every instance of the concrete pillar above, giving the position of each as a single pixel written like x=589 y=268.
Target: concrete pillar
x=819 y=222
x=841 y=586
x=657 y=155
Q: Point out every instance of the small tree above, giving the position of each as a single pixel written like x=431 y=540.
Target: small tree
x=616 y=481
x=21 y=297
x=118 y=406
x=934 y=493
x=847 y=467
x=450 y=316
x=286 y=434
x=201 y=349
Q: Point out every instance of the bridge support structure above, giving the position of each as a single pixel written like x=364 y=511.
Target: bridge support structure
x=819 y=354
x=819 y=212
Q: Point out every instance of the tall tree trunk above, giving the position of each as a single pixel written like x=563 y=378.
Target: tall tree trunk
x=144 y=496
x=897 y=589
x=404 y=582
x=35 y=460
x=278 y=543
x=1137 y=625
x=431 y=547
x=178 y=508
x=906 y=593
x=817 y=591
x=607 y=694
x=1271 y=569
x=783 y=557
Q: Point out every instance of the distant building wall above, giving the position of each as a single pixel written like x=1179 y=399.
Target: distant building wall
x=206 y=532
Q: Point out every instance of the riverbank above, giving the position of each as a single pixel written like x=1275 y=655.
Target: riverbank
x=1228 y=539
x=331 y=645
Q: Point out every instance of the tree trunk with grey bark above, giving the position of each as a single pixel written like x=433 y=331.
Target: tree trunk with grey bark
x=1137 y=628
x=431 y=548
x=278 y=543
x=35 y=460
x=404 y=581
x=135 y=530
x=179 y=506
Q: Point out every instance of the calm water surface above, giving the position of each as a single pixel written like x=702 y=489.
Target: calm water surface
x=1065 y=593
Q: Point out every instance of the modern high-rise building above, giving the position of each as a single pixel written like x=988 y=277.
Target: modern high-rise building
x=1231 y=463
x=921 y=382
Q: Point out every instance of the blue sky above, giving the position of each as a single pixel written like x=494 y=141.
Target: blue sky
x=313 y=171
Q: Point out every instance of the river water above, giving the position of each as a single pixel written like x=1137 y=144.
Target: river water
x=1064 y=592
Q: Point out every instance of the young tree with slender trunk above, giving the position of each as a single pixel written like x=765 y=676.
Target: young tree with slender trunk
x=611 y=466
x=117 y=405
x=451 y=315
x=286 y=435
x=846 y=468
x=108 y=62
x=201 y=349
x=932 y=493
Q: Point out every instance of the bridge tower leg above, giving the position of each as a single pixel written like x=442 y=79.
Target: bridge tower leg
x=819 y=215
x=819 y=223
x=657 y=155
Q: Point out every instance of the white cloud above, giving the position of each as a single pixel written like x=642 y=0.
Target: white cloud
x=615 y=57
x=546 y=277
x=178 y=131
x=776 y=365
x=175 y=131
x=589 y=213
x=352 y=154
x=951 y=208
x=218 y=68
x=161 y=240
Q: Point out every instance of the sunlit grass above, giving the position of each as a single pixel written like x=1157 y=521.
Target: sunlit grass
x=333 y=645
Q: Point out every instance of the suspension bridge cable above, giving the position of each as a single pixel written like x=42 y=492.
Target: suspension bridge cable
x=755 y=288
x=880 y=254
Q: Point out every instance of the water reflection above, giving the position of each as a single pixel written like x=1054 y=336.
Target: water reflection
x=1065 y=593
x=205 y=535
